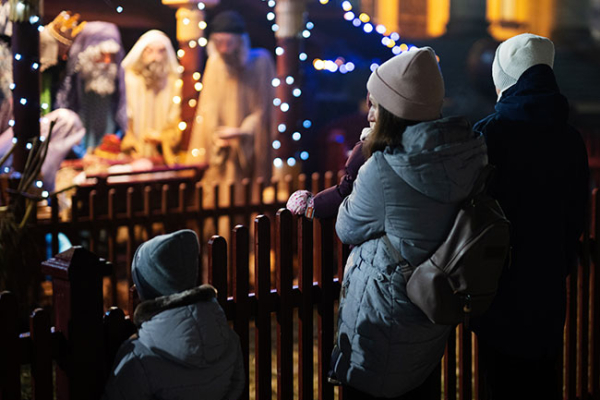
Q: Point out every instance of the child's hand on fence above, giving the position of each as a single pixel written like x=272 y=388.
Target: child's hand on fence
x=301 y=203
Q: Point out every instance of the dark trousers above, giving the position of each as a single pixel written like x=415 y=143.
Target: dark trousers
x=507 y=377
x=428 y=390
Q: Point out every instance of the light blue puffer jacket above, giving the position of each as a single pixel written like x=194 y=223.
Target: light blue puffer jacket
x=386 y=346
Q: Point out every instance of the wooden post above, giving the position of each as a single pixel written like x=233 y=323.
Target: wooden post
x=78 y=308
x=262 y=268
x=190 y=36
x=325 y=262
x=10 y=368
x=290 y=19
x=240 y=248
x=285 y=336
x=26 y=93
x=41 y=363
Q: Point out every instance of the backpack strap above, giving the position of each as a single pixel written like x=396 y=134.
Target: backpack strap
x=405 y=268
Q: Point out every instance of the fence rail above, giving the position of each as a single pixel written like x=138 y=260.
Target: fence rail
x=293 y=307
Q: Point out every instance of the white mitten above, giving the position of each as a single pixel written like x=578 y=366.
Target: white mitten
x=301 y=203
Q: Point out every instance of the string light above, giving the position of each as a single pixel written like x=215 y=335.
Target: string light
x=281 y=128
x=276 y=101
x=198 y=86
x=291 y=161
x=275 y=82
x=18 y=57
x=276 y=144
x=176 y=99
x=279 y=51
x=296 y=92
x=39 y=184
x=28 y=146
x=202 y=42
x=23 y=101
x=119 y=9
x=289 y=80
x=307 y=123
x=45 y=194
x=296 y=136
x=201 y=6
x=285 y=107
x=302 y=56
x=202 y=25
x=180 y=53
x=182 y=125
x=196 y=75
x=278 y=163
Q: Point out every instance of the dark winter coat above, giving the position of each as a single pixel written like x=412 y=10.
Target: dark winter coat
x=184 y=350
x=541 y=183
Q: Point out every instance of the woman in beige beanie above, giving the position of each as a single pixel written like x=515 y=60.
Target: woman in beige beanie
x=420 y=167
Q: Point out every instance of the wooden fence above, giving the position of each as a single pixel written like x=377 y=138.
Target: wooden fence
x=295 y=311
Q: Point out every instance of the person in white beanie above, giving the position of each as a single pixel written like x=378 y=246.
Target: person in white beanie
x=184 y=348
x=541 y=182
x=420 y=168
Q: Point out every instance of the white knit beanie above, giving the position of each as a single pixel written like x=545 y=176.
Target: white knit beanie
x=409 y=85
x=516 y=55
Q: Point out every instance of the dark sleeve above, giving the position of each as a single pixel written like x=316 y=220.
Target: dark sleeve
x=327 y=202
x=578 y=199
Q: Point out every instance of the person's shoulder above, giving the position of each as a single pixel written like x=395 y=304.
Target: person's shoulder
x=482 y=126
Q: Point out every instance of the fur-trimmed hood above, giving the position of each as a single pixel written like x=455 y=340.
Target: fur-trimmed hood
x=188 y=328
x=148 y=309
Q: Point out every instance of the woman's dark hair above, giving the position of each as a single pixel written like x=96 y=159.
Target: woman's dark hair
x=387 y=132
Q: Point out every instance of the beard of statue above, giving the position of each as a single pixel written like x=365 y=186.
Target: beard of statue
x=155 y=74
x=100 y=78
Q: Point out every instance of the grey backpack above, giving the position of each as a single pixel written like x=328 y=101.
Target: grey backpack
x=459 y=280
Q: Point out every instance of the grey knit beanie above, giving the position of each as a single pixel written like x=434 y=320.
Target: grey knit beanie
x=409 y=85
x=166 y=264
x=516 y=55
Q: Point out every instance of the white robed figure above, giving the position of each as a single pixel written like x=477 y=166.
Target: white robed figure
x=153 y=98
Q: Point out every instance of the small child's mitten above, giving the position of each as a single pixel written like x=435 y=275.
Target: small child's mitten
x=301 y=203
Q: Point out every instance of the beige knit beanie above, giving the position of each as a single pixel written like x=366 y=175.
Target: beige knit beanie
x=409 y=85
x=516 y=55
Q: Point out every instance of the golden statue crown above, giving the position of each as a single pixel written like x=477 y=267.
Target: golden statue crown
x=65 y=27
